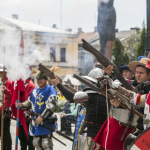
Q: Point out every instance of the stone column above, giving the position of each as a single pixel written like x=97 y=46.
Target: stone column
x=108 y=52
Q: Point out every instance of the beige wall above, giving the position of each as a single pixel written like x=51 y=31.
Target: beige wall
x=69 y=42
x=44 y=44
x=71 y=45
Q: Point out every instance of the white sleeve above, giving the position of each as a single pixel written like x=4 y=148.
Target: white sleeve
x=134 y=98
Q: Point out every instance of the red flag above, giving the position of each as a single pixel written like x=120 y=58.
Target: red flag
x=21 y=51
x=19 y=86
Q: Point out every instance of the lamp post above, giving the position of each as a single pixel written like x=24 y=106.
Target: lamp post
x=147 y=44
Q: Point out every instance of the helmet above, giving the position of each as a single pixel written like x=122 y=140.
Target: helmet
x=1 y=68
x=94 y=73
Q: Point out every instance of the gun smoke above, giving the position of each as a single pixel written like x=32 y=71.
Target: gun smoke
x=13 y=61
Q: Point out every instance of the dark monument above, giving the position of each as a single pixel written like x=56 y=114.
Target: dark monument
x=106 y=25
x=147 y=44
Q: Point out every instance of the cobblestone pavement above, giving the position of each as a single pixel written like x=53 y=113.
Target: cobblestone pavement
x=57 y=145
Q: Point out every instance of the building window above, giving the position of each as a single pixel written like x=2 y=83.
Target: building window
x=82 y=55
x=62 y=54
x=52 y=54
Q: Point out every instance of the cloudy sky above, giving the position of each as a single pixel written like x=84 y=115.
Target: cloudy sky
x=74 y=13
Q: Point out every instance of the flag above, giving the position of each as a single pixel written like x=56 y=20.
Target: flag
x=19 y=88
x=21 y=50
x=18 y=95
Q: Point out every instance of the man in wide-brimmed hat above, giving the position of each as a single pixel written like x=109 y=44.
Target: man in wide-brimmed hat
x=116 y=130
x=142 y=72
x=141 y=69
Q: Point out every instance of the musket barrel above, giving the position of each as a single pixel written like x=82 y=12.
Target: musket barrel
x=50 y=128
x=54 y=130
x=87 y=83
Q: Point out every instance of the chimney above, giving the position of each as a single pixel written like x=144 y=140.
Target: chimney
x=80 y=30
x=15 y=16
x=95 y=29
x=69 y=30
x=116 y=30
x=54 y=26
x=135 y=28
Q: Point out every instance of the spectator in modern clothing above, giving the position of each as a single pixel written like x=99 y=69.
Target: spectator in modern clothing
x=66 y=109
x=67 y=119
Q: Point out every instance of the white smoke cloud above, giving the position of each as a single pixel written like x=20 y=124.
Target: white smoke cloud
x=15 y=64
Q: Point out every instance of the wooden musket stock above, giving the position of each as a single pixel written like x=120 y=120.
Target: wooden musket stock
x=105 y=62
x=47 y=72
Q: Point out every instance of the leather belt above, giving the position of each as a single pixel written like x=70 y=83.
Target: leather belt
x=92 y=122
x=125 y=125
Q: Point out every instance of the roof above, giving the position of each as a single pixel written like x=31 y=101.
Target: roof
x=86 y=36
x=94 y=38
x=18 y=24
x=73 y=80
x=125 y=34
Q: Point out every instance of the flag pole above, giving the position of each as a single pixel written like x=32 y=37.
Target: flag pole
x=2 y=114
x=17 y=123
x=18 y=100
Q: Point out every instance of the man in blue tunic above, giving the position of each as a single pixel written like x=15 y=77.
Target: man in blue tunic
x=42 y=100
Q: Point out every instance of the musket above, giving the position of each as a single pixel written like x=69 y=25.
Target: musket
x=47 y=72
x=51 y=128
x=102 y=92
x=105 y=62
x=50 y=74
x=70 y=88
x=52 y=135
x=59 y=140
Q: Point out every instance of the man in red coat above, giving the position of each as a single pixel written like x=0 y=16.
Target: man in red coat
x=7 y=141
x=24 y=141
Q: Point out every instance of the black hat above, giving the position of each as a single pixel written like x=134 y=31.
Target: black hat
x=123 y=67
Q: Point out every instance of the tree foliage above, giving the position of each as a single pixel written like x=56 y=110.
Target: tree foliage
x=141 y=45
x=130 y=45
x=119 y=57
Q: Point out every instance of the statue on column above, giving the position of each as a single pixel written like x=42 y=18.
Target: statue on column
x=106 y=26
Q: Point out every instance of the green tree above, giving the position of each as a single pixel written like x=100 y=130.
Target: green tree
x=141 y=46
x=119 y=56
x=126 y=59
x=130 y=45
